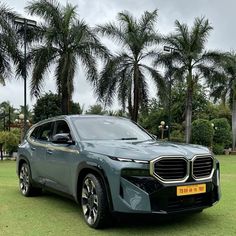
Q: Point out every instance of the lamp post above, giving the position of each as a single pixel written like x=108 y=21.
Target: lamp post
x=170 y=50
x=163 y=128
x=25 y=23
x=20 y=123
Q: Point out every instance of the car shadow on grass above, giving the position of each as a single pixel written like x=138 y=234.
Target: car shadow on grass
x=135 y=221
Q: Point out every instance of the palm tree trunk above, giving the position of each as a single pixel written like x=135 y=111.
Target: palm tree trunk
x=189 y=107
x=234 y=122
x=134 y=116
x=130 y=108
x=65 y=99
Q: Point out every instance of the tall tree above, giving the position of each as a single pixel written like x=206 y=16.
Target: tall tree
x=223 y=86
x=124 y=73
x=64 y=40
x=190 y=58
x=9 y=54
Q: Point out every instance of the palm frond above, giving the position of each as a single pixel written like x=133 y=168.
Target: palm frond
x=157 y=78
x=112 y=31
x=49 y=10
x=115 y=73
x=212 y=57
x=199 y=34
x=42 y=58
x=147 y=21
x=69 y=15
x=182 y=33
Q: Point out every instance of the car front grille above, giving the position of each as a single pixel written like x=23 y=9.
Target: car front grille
x=202 y=167
x=169 y=169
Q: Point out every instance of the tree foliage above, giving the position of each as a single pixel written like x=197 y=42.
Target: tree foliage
x=223 y=86
x=10 y=140
x=96 y=109
x=189 y=61
x=222 y=134
x=124 y=75
x=63 y=40
x=49 y=105
x=202 y=132
x=9 y=52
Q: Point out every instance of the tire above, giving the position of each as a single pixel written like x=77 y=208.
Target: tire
x=94 y=202
x=25 y=184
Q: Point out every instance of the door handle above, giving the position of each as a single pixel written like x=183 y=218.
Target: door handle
x=49 y=152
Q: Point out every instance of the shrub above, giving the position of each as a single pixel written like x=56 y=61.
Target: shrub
x=10 y=141
x=222 y=132
x=218 y=149
x=202 y=132
x=177 y=136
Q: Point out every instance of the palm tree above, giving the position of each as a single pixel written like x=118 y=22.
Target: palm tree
x=9 y=54
x=64 y=40
x=190 y=59
x=124 y=74
x=223 y=86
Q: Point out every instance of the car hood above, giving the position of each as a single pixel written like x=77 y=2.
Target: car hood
x=146 y=150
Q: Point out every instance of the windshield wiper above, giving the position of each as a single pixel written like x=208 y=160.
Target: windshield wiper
x=128 y=138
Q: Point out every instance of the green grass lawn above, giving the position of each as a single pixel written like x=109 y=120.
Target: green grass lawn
x=49 y=214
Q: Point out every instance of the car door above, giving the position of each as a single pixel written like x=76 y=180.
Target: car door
x=60 y=159
x=38 y=142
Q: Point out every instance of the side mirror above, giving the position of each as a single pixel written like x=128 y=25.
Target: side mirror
x=63 y=138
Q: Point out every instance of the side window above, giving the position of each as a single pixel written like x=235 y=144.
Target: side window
x=34 y=134
x=62 y=127
x=45 y=132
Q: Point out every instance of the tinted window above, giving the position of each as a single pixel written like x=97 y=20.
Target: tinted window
x=62 y=127
x=105 y=128
x=45 y=132
x=34 y=134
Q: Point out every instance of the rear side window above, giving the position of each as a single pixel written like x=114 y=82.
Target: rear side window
x=45 y=132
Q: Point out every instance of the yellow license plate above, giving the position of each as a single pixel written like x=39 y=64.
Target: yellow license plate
x=191 y=189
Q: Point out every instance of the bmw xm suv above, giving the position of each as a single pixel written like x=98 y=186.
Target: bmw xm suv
x=110 y=164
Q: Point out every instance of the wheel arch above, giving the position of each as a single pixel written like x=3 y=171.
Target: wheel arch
x=95 y=169
x=22 y=159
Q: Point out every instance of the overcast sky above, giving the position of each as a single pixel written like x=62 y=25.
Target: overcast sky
x=221 y=15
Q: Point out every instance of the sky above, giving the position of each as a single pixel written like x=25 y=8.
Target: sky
x=221 y=15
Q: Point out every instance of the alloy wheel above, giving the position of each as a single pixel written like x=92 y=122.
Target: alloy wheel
x=24 y=179
x=89 y=201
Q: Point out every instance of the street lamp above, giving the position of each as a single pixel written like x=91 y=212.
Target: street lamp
x=20 y=123
x=26 y=23
x=163 y=128
x=170 y=50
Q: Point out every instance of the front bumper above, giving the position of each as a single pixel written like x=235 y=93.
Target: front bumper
x=148 y=195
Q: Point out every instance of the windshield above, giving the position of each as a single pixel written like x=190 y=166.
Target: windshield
x=106 y=128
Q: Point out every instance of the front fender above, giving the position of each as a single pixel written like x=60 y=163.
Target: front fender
x=91 y=167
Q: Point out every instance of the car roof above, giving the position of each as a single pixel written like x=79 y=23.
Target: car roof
x=66 y=117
